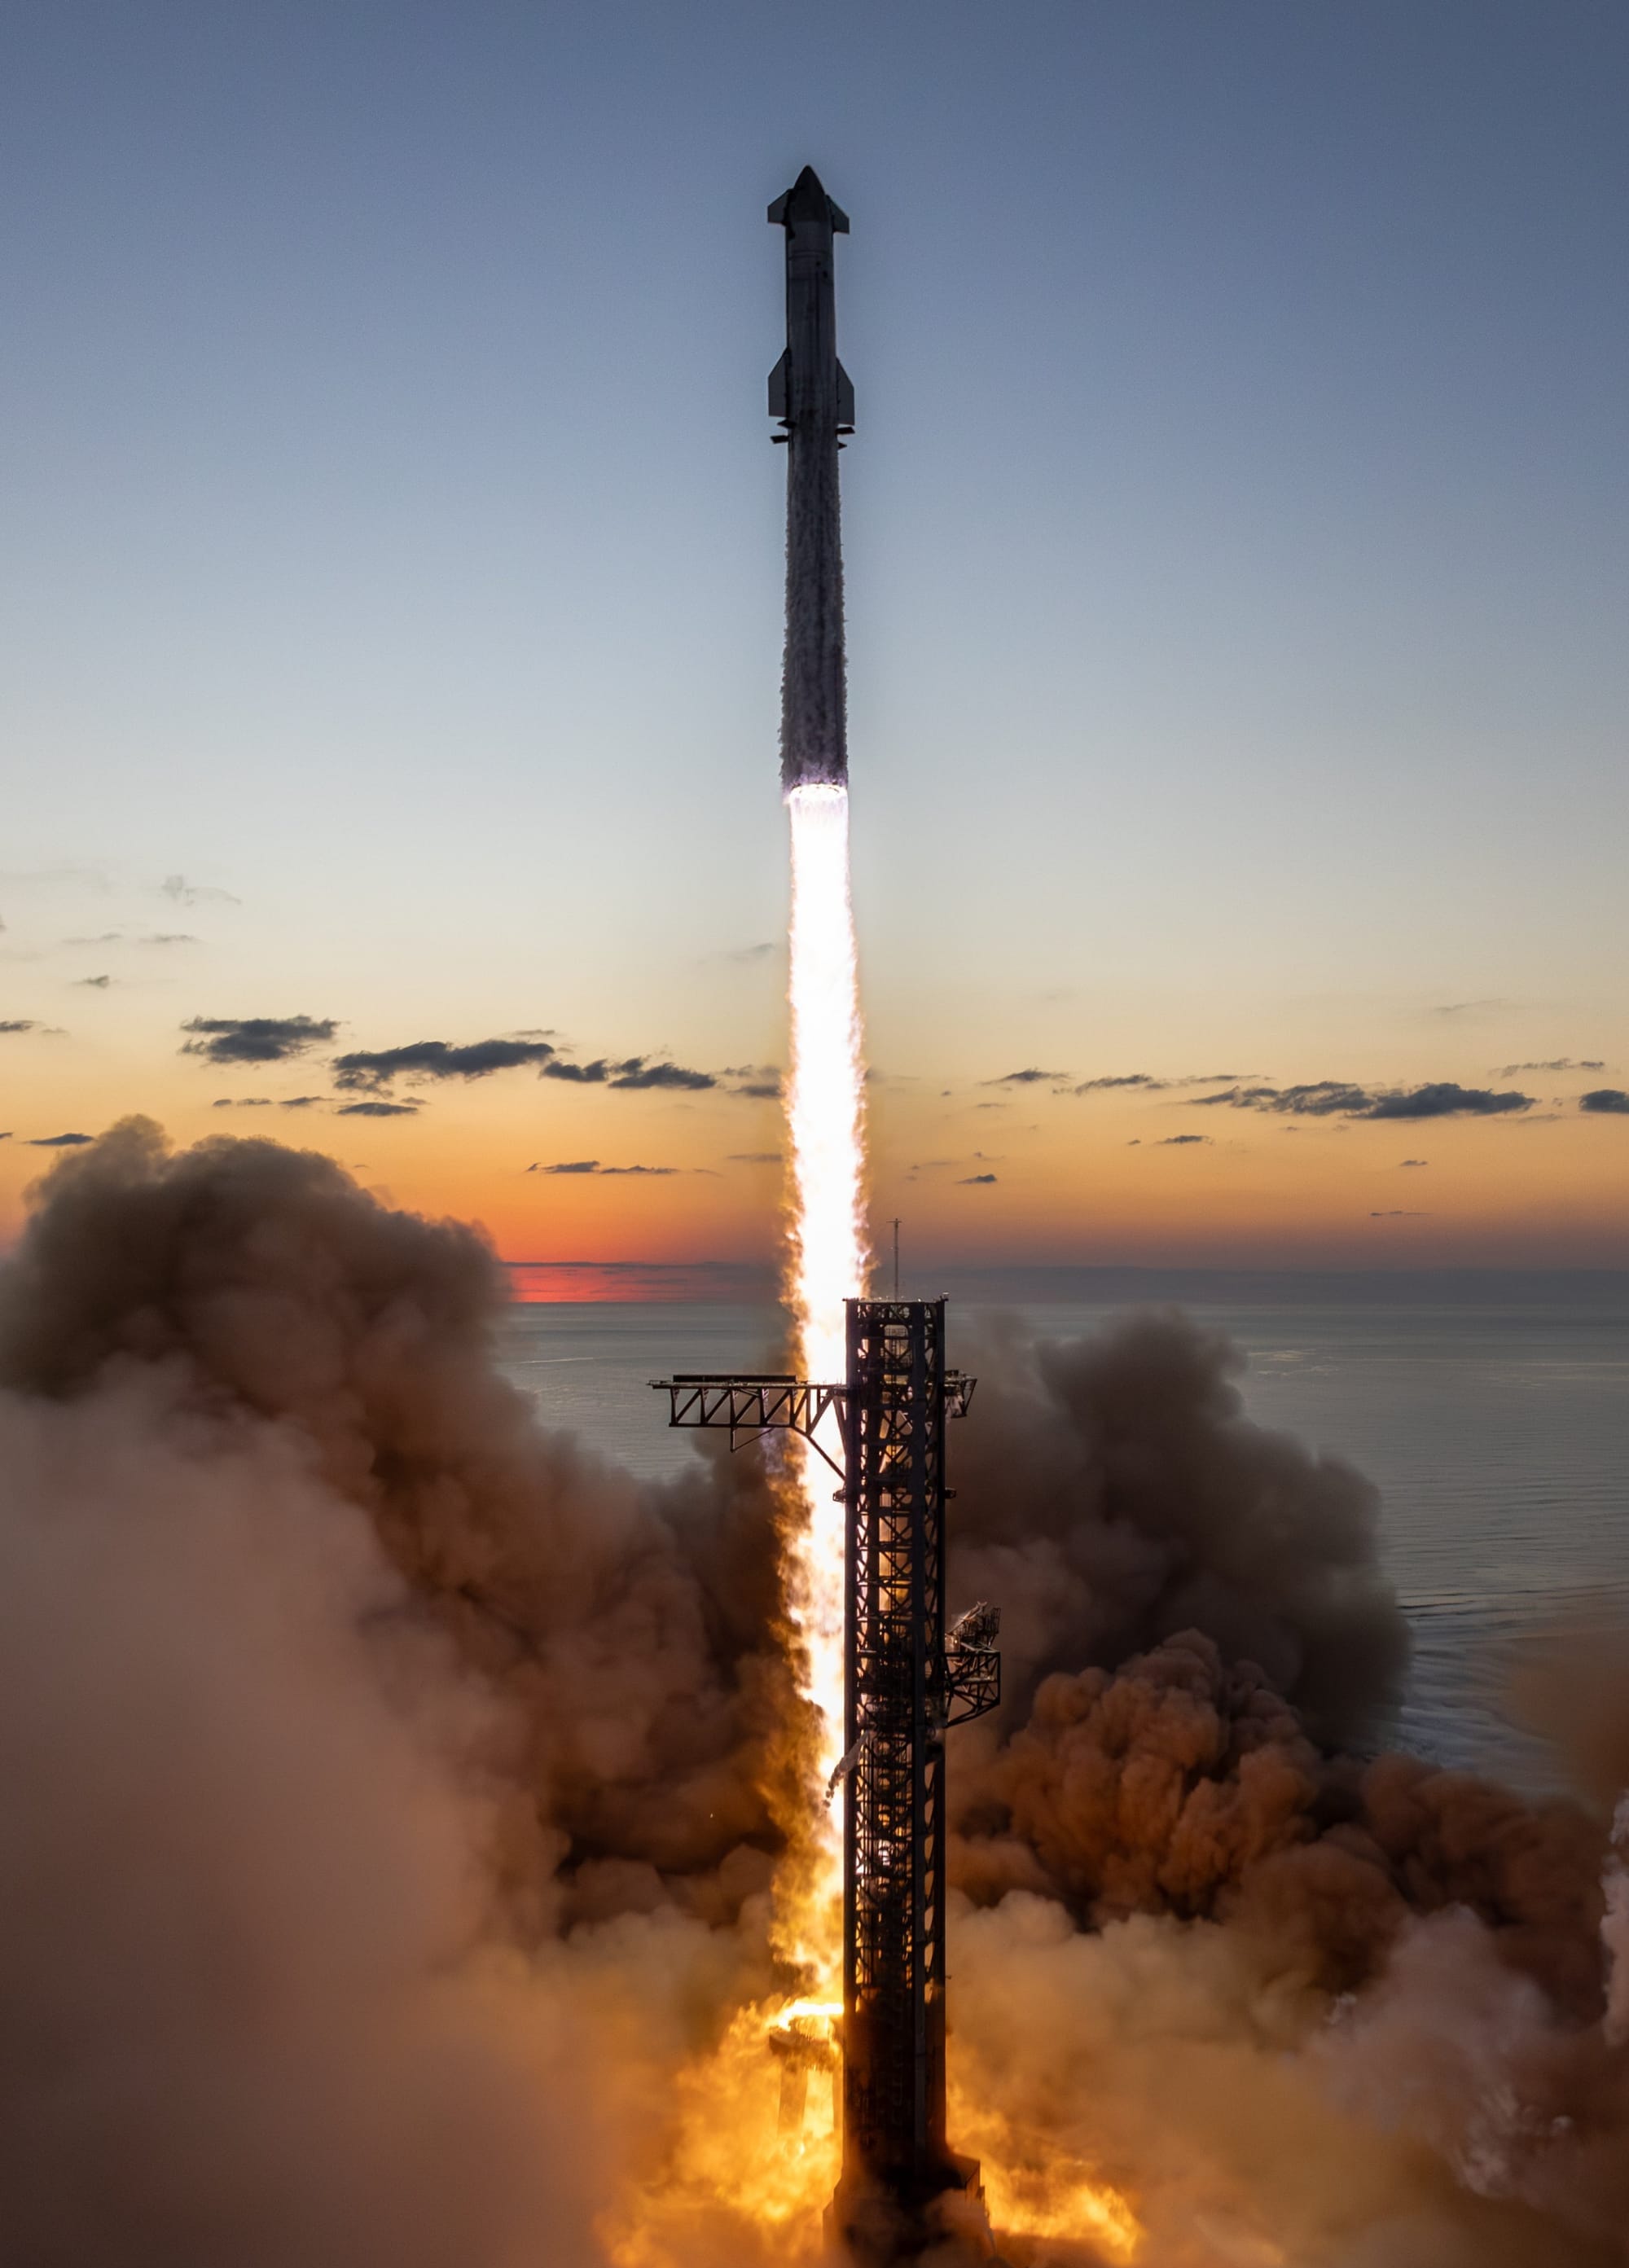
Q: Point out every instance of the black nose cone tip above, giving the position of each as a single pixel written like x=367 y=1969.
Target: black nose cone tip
x=807 y=200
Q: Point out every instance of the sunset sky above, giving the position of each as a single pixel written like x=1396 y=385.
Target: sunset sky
x=1238 y=555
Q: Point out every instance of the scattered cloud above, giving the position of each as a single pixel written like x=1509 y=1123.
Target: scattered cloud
x=1149 y=1084
x=376 y=1067
x=241 y=1102
x=299 y=1102
x=1555 y=1063
x=255 y=1039
x=975 y=1181
x=19 y=1024
x=1443 y=1099
x=592 y=1166
x=60 y=1141
x=754 y=1158
x=1470 y=1008
x=1329 y=1098
x=1416 y=1161
x=95 y=984
x=1181 y=1141
x=1031 y=1078
x=1396 y=1213
x=1610 y=1100
x=167 y=937
x=378 y=1109
x=1318 y=1098
x=641 y=1073
x=107 y=936
x=748 y=955
x=183 y=893
x=754 y=1082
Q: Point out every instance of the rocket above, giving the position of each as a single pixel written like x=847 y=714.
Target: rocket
x=811 y=396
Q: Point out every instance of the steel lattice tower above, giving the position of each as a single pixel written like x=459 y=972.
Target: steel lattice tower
x=907 y=1680
x=894 y=1835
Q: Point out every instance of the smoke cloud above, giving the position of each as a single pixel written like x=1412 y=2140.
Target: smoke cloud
x=392 y=1793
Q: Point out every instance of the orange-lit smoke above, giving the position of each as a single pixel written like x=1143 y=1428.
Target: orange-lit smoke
x=391 y=1866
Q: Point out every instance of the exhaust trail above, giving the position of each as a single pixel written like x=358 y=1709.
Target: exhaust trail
x=828 y=1257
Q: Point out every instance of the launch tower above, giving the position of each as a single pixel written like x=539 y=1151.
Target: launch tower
x=908 y=1680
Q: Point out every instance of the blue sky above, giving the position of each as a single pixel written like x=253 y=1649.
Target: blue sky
x=1236 y=528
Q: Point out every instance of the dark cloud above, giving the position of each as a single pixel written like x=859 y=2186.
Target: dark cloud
x=255 y=1039
x=754 y=1158
x=1031 y=1078
x=1149 y=1084
x=183 y=893
x=640 y=1073
x=1181 y=1141
x=756 y=1082
x=299 y=1102
x=95 y=984
x=376 y=1067
x=1555 y=1063
x=1443 y=1099
x=241 y=1102
x=592 y=1166
x=1416 y=1161
x=19 y=1024
x=1332 y=1098
x=1396 y=1212
x=60 y=1141
x=378 y=1109
x=975 y=1180
x=1319 y=1098
x=1613 y=1100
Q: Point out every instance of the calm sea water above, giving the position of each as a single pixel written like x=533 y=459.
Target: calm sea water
x=1495 y=1422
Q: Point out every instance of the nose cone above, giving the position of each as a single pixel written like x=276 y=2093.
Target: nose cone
x=807 y=200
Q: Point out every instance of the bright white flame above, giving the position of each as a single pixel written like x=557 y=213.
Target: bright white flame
x=829 y=1257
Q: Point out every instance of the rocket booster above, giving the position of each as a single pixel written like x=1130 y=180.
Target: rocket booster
x=811 y=396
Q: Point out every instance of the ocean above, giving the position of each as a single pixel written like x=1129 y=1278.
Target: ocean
x=1492 y=1412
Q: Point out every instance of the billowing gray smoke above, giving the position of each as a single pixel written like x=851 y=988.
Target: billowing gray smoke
x=390 y=1788
x=629 y=1629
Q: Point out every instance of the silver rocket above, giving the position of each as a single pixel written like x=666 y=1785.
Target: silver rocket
x=811 y=395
